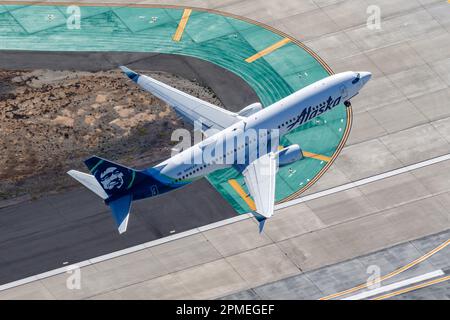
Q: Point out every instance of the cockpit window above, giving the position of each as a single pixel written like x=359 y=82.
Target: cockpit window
x=358 y=76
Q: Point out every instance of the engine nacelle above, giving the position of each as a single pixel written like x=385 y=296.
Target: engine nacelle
x=251 y=109
x=289 y=155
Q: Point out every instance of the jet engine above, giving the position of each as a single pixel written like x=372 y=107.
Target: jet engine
x=289 y=154
x=251 y=109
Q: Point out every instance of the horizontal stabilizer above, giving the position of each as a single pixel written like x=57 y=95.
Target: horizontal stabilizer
x=121 y=211
x=89 y=182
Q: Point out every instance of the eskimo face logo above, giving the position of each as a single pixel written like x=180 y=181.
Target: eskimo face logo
x=112 y=178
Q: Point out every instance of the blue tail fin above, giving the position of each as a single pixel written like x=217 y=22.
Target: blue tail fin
x=114 y=178
x=117 y=181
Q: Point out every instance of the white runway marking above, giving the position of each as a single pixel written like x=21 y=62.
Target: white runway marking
x=364 y=181
x=227 y=221
x=396 y=285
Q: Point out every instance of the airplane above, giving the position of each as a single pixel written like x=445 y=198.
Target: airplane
x=247 y=140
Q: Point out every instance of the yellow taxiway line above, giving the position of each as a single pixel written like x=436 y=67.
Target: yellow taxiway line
x=316 y=156
x=389 y=275
x=182 y=25
x=237 y=187
x=412 y=288
x=268 y=50
x=311 y=155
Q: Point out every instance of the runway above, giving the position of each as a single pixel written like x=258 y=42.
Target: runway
x=323 y=245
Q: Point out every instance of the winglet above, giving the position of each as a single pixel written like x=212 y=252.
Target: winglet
x=261 y=225
x=130 y=73
x=261 y=221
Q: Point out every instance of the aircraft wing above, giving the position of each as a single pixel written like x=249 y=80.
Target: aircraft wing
x=187 y=106
x=259 y=176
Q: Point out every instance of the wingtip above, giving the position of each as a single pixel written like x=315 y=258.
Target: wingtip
x=261 y=221
x=261 y=225
x=130 y=73
x=123 y=226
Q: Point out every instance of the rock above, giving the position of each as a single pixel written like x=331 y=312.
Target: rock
x=64 y=121
x=66 y=113
x=123 y=111
x=89 y=120
x=101 y=98
x=164 y=113
x=142 y=117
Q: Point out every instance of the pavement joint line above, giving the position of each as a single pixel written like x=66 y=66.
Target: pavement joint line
x=413 y=288
x=396 y=285
x=229 y=221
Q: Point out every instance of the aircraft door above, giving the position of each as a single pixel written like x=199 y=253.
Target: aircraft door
x=344 y=92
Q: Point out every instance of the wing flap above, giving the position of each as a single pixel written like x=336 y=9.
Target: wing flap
x=259 y=176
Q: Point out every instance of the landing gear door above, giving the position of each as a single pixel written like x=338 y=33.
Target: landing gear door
x=344 y=92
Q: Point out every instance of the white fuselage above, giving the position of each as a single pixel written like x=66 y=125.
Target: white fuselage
x=285 y=115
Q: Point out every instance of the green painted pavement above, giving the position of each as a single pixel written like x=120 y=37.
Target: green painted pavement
x=220 y=39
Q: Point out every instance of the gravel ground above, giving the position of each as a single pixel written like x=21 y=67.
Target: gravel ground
x=50 y=121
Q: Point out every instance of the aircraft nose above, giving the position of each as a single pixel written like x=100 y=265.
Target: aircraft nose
x=365 y=76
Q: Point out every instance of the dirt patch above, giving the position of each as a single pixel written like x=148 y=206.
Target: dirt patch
x=50 y=121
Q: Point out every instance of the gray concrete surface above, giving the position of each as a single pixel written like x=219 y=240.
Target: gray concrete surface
x=348 y=274
x=377 y=223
